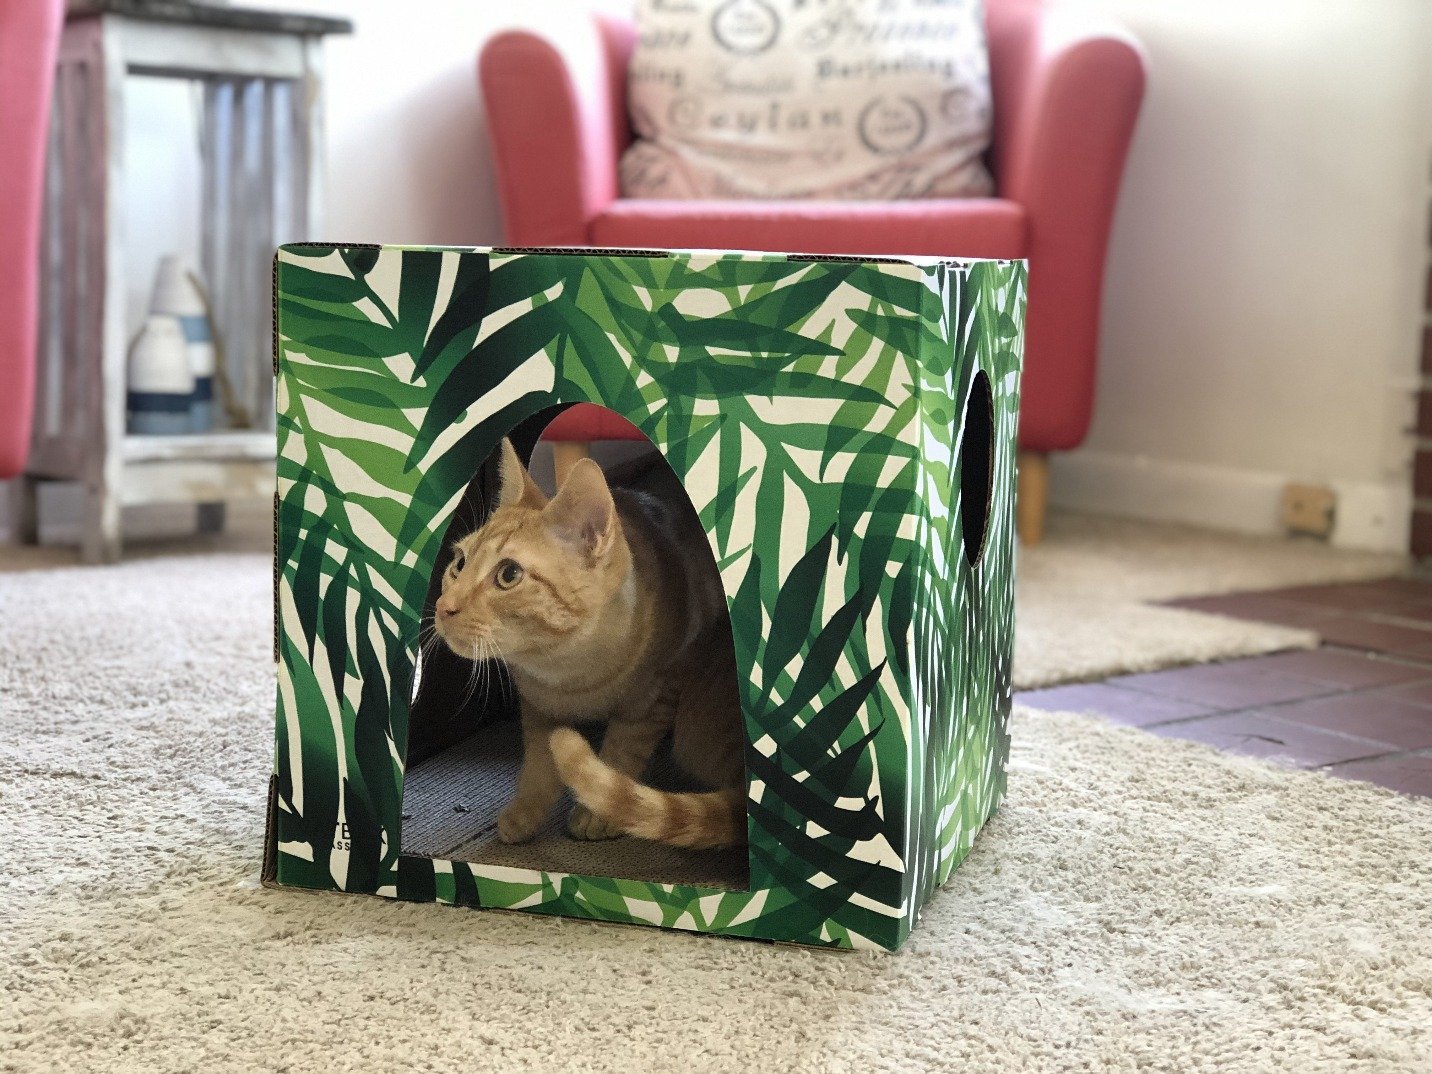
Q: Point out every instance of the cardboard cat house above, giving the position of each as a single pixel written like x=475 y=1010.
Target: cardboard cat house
x=845 y=429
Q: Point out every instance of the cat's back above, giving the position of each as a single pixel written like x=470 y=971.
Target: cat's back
x=670 y=547
x=651 y=501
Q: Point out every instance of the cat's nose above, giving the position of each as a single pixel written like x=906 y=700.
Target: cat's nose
x=445 y=608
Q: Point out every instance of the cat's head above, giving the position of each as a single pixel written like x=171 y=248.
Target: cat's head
x=537 y=571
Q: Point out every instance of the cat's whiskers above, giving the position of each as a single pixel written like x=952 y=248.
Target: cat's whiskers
x=428 y=640
x=480 y=668
x=504 y=678
x=472 y=678
x=488 y=649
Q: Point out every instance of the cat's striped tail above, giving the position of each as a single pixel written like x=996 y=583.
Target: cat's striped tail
x=700 y=821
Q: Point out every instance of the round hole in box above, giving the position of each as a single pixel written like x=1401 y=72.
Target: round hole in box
x=976 y=467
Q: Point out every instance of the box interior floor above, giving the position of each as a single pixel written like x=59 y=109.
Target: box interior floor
x=451 y=802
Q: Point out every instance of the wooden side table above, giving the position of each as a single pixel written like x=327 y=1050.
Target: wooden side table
x=261 y=150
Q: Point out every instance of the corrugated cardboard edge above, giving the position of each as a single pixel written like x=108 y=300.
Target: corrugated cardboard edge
x=850 y=259
x=274 y=322
x=268 y=875
x=582 y=251
x=275 y=580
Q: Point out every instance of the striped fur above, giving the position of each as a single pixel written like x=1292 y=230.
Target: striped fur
x=701 y=821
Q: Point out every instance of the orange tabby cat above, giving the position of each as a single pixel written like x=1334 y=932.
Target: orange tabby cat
x=606 y=605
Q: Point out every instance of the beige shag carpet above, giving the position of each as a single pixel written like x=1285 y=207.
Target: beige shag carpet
x=1139 y=903
x=1087 y=596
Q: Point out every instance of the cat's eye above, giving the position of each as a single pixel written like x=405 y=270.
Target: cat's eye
x=458 y=560
x=508 y=574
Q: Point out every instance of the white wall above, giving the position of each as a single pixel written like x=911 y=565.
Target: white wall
x=407 y=150
x=1265 y=275
x=1262 y=312
x=408 y=156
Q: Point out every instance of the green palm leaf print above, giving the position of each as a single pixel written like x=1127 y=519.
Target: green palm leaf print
x=815 y=410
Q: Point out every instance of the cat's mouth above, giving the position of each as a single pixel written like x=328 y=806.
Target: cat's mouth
x=471 y=644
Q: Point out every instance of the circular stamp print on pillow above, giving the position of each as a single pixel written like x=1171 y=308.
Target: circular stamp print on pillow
x=745 y=27
x=892 y=125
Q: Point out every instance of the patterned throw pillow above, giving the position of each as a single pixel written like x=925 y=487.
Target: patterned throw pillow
x=872 y=99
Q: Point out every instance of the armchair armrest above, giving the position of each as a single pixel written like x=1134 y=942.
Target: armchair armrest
x=1067 y=89
x=29 y=38
x=556 y=117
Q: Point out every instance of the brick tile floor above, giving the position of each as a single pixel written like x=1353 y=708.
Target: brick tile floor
x=1260 y=734
x=1360 y=707
x=1241 y=684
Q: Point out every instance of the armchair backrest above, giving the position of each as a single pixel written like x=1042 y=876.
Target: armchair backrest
x=557 y=116
x=1066 y=89
x=1011 y=32
x=618 y=37
x=1011 y=28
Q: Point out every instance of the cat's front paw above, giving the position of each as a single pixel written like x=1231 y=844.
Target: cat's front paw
x=520 y=821
x=584 y=824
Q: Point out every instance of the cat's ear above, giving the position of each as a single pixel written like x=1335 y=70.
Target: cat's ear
x=515 y=484
x=583 y=514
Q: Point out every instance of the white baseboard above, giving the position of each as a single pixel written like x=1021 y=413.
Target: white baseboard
x=1369 y=516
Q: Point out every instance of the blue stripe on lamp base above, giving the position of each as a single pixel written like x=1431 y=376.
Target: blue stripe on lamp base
x=160 y=413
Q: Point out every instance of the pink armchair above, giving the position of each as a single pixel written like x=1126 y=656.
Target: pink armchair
x=29 y=36
x=1066 y=94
